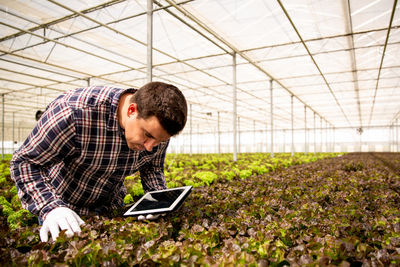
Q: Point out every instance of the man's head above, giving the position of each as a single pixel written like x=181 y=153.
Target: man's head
x=165 y=102
x=153 y=114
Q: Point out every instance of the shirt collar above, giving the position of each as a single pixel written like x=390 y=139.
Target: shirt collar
x=112 y=123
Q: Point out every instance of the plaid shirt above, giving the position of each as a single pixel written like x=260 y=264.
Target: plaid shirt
x=77 y=156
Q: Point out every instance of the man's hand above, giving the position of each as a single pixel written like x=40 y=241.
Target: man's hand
x=149 y=217
x=60 y=218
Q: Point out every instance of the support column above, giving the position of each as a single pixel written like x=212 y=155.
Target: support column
x=315 y=136
x=391 y=138
x=177 y=148
x=190 y=131
x=149 y=40
x=2 y=126
x=397 y=134
x=305 y=130
x=13 y=132
x=334 y=137
x=320 y=132
x=326 y=136
x=329 y=138
x=322 y=135
x=219 y=134
x=234 y=107
x=271 y=117
x=390 y=142
x=199 y=150
x=215 y=141
x=394 y=136
x=291 y=108
x=360 y=133
x=266 y=139
x=284 y=140
x=239 y=144
x=254 y=137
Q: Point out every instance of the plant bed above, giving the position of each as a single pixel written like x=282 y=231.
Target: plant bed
x=334 y=211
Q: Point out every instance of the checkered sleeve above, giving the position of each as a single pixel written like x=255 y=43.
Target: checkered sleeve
x=50 y=142
x=152 y=174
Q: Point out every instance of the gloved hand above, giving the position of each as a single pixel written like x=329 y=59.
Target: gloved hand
x=149 y=217
x=60 y=218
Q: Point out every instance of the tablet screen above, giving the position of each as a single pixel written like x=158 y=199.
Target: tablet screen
x=160 y=201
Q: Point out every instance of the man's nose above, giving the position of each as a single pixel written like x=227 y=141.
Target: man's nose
x=149 y=144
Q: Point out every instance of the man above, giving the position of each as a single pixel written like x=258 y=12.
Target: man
x=84 y=145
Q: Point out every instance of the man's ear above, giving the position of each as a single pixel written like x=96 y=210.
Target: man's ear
x=132 y=109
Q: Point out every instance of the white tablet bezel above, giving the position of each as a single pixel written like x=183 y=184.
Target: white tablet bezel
x=185 y=192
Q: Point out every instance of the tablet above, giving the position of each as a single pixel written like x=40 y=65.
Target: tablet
x=161 y=201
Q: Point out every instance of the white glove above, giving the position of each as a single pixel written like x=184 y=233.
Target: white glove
x=60 y=218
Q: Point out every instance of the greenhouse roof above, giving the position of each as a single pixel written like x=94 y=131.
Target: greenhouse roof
x=329 y=63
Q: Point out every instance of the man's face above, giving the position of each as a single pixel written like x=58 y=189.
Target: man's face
x=142 y=133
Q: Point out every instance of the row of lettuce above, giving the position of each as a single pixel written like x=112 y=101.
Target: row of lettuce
x=180 y=169
x=203 y=169
x=341 y=211
x=10 y=205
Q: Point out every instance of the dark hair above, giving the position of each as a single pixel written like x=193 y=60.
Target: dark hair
x=164 y=101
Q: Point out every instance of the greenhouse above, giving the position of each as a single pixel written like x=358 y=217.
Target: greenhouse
x=291 y=141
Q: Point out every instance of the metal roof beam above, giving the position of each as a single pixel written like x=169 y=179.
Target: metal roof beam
x=33 y=86
x=74 y=15
x=177 y=60
x=382 y=58
x=130 y=37
x=36 y=77
x=395 y=117
x=65 y=45
x=63 y=36
x=53 y=22
x=191 y=27
x=235 y=50
x=313 y=60
x=297 y=42
x=86 y=75
x=322 y=38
